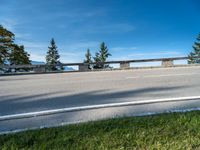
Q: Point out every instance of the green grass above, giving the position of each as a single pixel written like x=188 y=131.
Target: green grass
x=165 y=131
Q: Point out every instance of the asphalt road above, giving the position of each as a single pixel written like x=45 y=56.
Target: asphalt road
x=28 y=93
x=31 y=93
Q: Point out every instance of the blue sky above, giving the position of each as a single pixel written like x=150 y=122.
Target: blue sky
x=132 y=29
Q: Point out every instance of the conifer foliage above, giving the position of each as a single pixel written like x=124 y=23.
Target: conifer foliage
x=97 y=60
x=194 y=57
x=101 y=56
x=19 y=56
x=11 y=53
x=88 y=57
x=6 y=41
x=52 y=57
x=104 y=54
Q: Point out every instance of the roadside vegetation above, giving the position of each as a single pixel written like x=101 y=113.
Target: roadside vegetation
x=99 y=58
x=194 y=56
x=14 y=54
x=52 y=57
x=165 y=131
x=10 y=52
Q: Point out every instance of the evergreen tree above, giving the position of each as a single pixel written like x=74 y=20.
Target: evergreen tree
x=19 y=56
x=6 y=41
x=101 y=57
x=194 y=57
x=97 y=61
x=52 y=57
x=88 y=58
x=104 y=54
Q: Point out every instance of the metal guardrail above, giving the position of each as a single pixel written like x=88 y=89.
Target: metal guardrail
x=166 y=62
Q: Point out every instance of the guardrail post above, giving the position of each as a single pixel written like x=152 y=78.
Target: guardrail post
x=124 y=65
x=39 y=69
x=167 y=63
x=83 y=67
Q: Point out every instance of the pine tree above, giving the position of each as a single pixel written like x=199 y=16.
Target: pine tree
x=6 y=41
x=97 y=61
x=88 y=57
x=101 y=57
x=194 y=57
x=52 y=57
x=19 y=56
x=104 y=54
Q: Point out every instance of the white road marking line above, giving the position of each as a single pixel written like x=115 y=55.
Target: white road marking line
x=72 y=109
x=165 y=75
x=75 y=122
x=169 y=75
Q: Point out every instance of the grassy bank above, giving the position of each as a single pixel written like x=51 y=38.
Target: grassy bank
x=166 y=131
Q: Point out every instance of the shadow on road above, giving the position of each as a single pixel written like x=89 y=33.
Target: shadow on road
x=14 y=104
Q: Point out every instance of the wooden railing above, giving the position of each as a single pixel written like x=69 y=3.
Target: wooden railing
x=166 y=62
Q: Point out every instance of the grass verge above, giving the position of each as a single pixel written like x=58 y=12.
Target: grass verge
x=165 y=131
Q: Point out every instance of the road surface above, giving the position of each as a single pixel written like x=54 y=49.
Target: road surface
x=33 y=93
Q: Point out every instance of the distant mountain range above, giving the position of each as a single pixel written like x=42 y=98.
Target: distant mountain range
x=42 y=63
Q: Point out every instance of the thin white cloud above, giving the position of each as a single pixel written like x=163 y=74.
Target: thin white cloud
x=80 y=45
x=123 y=48
x=34 y=45
x=155 y=54
x=37 y=57
x=37 y=50
x=12 y=25
x=19 y=35
x=9 y=24
x=146 y=55
x=70 y=54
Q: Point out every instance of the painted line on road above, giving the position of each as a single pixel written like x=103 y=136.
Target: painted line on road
x=76 y=122
x=165 y=75
x=169 y=75
x=82 y=108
